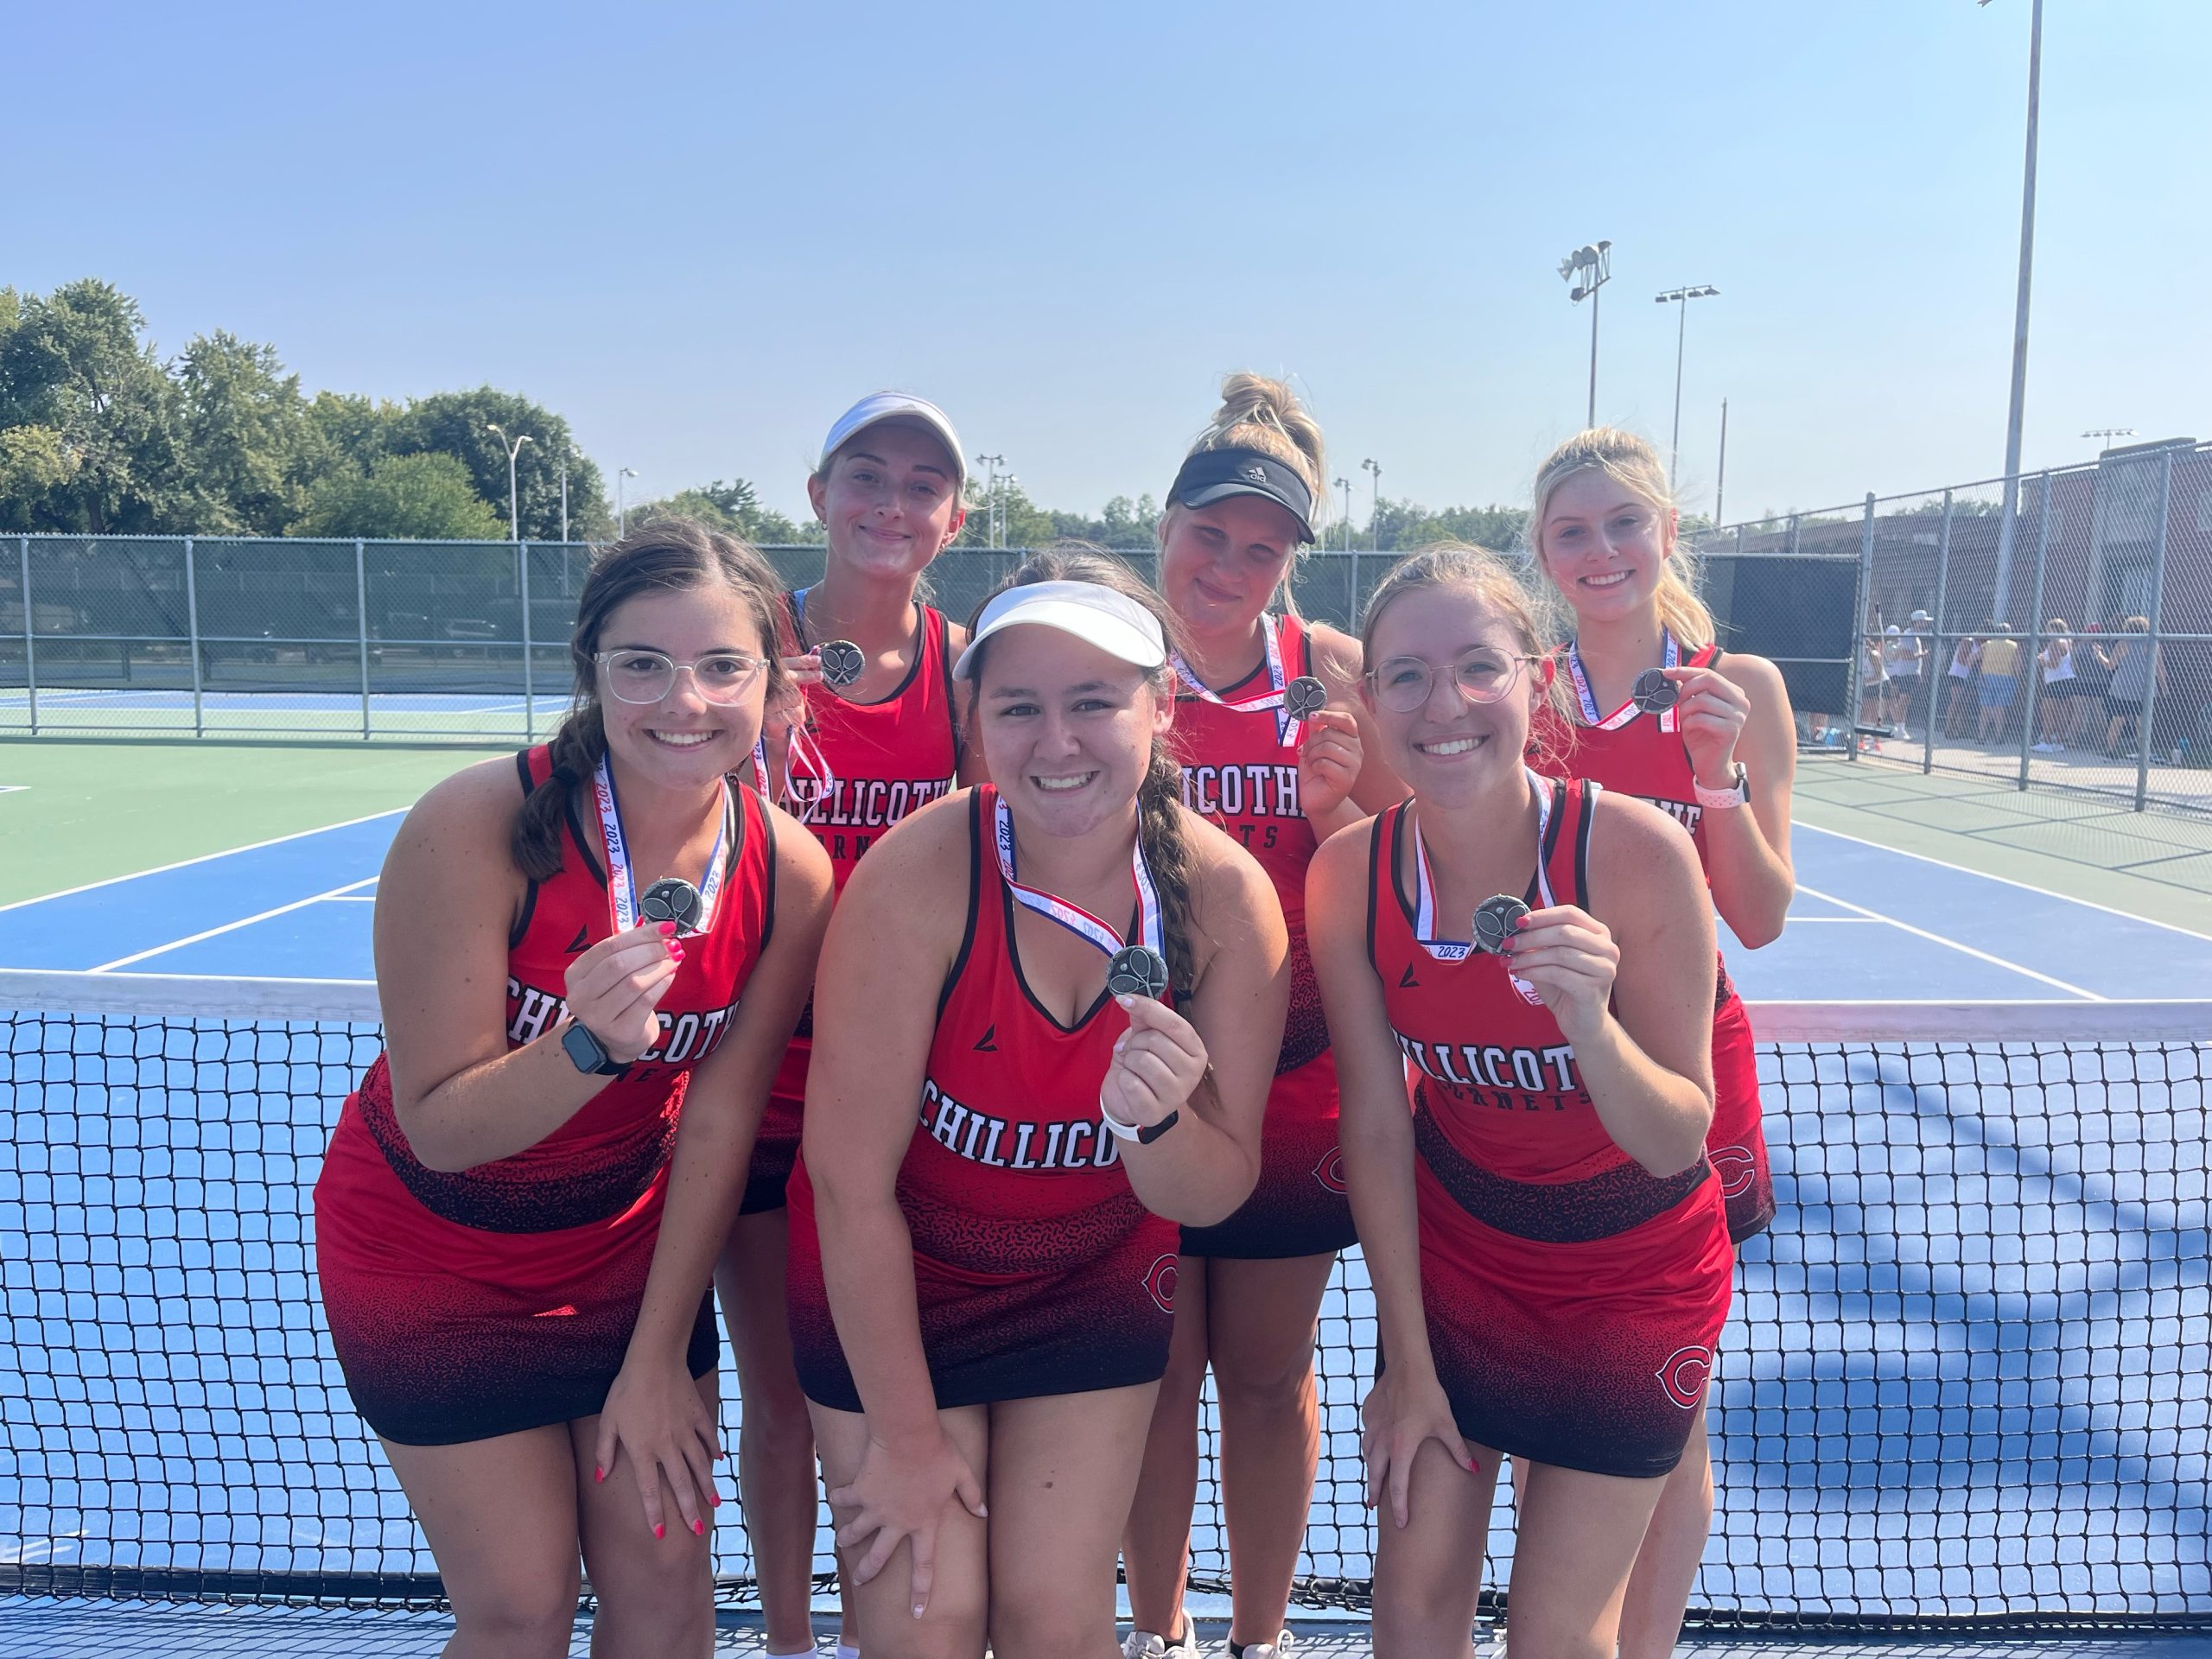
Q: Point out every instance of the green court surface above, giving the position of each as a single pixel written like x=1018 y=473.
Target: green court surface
x=74 y=813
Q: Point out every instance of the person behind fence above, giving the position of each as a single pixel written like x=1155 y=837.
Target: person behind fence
x=2059 y=705
x=1965 y=656
x=589 y=959
x=1658 y=710
x=853 y=757
x=1873 y=689
x=1248 y=1291
x=1548 y=1243
x=1046 y=1024
x=1913 y=673
x=2129 y=663
x=1901 y=662
x=1999 y=666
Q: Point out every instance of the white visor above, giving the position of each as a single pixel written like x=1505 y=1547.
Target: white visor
x=880 y=406
x=1098 y=616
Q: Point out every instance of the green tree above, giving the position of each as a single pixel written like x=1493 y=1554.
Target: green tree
x=732 y=506
x=354 y=428
x=453 y=423
x=251 y=451
x=421 y=497
x=72 y=364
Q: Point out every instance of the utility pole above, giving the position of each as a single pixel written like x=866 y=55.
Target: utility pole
x=1375 y=502
x=621 y=513
x=2017 y=413
x=513 y=448
x=1720 y=478
x=1681 y=297
x=1595 y=260
x=993 y=527
x=1344 y=484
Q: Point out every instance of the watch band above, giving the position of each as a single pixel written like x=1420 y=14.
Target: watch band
x=1143 y=1135
x=1724 y=800
x=587 y=1054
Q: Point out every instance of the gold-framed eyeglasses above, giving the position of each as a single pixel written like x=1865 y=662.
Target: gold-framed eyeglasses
x=638 y=676
x=1401 y=684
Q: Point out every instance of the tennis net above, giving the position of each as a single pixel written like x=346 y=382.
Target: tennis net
x=1968 y=1380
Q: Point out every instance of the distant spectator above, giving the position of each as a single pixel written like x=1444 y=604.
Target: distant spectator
x=2061 y=706
x=1873 y=689
x=2133 y=661
x=2000 y=663
x=1964 y=656
x=1901 y=656
x=1910 y=672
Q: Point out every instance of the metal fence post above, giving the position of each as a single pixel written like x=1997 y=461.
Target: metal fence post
x=192 y=628
x=30 y=638
x=529 y=694
x=2147 y=724
x=1936 y=671
x=2032 y=671
x=1858 y=681
x=361 y=622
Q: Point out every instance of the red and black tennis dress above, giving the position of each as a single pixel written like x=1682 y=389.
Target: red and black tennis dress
x=861 y=767
x=1240 y=769
x=471 y=1303
x=1037 y=1269
x=1643 y=755
x=1571 y=1300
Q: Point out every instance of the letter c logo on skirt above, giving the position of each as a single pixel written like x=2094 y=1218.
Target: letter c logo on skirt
x=1735 y=1168
x=1684 y=1375
x=1159 y=1280
x=1330 y=1172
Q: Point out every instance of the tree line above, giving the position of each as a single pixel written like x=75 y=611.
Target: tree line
x=102 y=436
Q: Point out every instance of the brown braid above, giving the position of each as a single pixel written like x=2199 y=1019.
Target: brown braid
x=664 y=555
x=1161 y=824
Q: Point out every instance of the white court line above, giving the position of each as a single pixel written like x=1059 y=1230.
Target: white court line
x=1964 y=869
x=185 y=863
x=1855 y=921
x=370 y=899
x=228 y=927
x=1938 y=938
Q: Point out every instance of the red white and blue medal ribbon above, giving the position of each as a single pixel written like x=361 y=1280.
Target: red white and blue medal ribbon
x=1670 y=656
x=802 y=757
x=621 y=883
x=1425 y=928
x=1078 y=921
x=1277 y=698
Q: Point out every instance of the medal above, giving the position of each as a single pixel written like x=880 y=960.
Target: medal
x=1134 y=970
x=1495 y=919
x=842 y=664
x=1275 y=699
x=1654 y=693
x=1305 y=697
x=671 y=899
x=1143 y=962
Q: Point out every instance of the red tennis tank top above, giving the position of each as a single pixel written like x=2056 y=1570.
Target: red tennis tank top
x=1638 y=758
x=593 y=1184
x=1009 y=1171
x=1237 y=774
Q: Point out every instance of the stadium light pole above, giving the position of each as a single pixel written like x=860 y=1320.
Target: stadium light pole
x=1344 y=484
x=513 y=448
x=1681 y=297
x=991 y=463
x=2000 y=600
x=2109 y=432
x=1720 y=478
x=621 y=513
x=1374 y=502
x=1595 y=260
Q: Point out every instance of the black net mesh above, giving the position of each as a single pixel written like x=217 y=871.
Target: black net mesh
x=1968 y=1378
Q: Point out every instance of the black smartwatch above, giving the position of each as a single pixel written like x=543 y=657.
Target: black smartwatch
x=588 y=1056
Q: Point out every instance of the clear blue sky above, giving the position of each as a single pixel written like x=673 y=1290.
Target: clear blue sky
x=699 y=230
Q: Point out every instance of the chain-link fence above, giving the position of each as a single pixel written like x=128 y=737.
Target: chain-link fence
x=2060 y=641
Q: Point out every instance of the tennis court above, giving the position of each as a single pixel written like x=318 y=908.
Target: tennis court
x=1969 y=1389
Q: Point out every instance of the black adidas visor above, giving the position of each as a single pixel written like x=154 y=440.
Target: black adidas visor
x=1214 y=475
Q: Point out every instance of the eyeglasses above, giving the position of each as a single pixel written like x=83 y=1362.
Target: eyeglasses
x=650 y=676
x=1403 y=683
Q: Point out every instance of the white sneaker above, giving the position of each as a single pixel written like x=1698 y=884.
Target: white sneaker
x=1902 y=735
x=1148 y=1644
x=2046 y=748
x=1274 y=1650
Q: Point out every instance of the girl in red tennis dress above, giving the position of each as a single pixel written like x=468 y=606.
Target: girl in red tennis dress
x=860 y=755
x=1719 y=758
x=1248 y=1292
x=1002 y=1139
x=1548 y=1245
x=518 y=1215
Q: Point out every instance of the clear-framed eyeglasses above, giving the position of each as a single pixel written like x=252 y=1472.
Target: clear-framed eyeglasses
x=722 y=676
x=1401 y=684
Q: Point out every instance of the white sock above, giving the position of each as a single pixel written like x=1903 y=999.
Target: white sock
x=806 y=1652
x=846 y=1652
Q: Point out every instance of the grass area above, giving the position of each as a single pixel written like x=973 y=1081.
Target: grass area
x=82 y=812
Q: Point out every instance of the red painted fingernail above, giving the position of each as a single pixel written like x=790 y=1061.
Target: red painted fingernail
x=1520 y=921
x=660 y=1529
x=715 y=1498
x=699 y=1529
x=599 y=1471
x=668 y=930
x=675 y=951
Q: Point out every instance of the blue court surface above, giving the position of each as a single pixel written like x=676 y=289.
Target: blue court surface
x=1969 y=1373
x=1869 y=925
